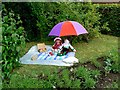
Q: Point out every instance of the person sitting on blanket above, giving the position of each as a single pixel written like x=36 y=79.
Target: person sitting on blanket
x=57 y=44
x=65 y=48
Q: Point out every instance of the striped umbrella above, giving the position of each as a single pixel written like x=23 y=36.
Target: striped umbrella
x=67 y=28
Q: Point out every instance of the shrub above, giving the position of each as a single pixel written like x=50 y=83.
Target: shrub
x=28 y=19
x=82 y=73
x=95 y=74
x=87 y=78
x=39 y=20
x=111 y=65
x=89 y=83
x=108 y=65
x=111 y=61
x=110 y=17
x=76 y=84
x=12 y=41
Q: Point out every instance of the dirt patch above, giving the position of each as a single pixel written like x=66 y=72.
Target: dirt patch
x=89 y=66
x=101 y=60
x=106 y=80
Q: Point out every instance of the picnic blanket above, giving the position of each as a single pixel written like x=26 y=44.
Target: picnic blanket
x=44 y=58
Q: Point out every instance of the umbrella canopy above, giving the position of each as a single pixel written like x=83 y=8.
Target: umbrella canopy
x=67 y=28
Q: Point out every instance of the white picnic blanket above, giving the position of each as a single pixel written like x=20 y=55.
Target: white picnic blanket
x=45 y=58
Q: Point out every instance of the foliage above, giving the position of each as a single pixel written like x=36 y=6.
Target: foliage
x=87 y=77
x=28 y=19
x=111 y=66
x=12 y=40
x=110 y=17
x=111 y=62
x=63 y=78
x=84 y=13
x=41 y=20
x=88 y=17
x=89 y=83
x=95 y=74
x=114 y=85
x=0 y=50
x=79 y=78
x=108 y=64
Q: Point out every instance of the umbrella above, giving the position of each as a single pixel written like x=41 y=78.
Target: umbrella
x=67 y=28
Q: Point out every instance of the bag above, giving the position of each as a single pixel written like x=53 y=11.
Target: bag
x=41 y=47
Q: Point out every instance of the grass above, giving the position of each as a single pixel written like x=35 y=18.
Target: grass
x=26 y=76
x=96 y=48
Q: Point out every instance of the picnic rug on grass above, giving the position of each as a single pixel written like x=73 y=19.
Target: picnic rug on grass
x=44 y=58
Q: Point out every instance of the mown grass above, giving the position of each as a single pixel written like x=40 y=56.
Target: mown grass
x=96 y=48
x=26 y=75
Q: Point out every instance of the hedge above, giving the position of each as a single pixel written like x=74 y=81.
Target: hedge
x=39 y=20
x=111 y=16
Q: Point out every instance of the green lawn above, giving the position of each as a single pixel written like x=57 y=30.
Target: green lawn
x=96 y=48
x=26 y=76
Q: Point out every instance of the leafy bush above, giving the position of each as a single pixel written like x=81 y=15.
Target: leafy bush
x=12 y=41
x=110 y=17
x=39 y=20
x=28 y=19
x=76 y=84
x=111 y=65
x=111 y=61
x=83 y=13
x=95 y=74
x=87 y=77
x=82 y=72
x=89 y=83
x=108 y=64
